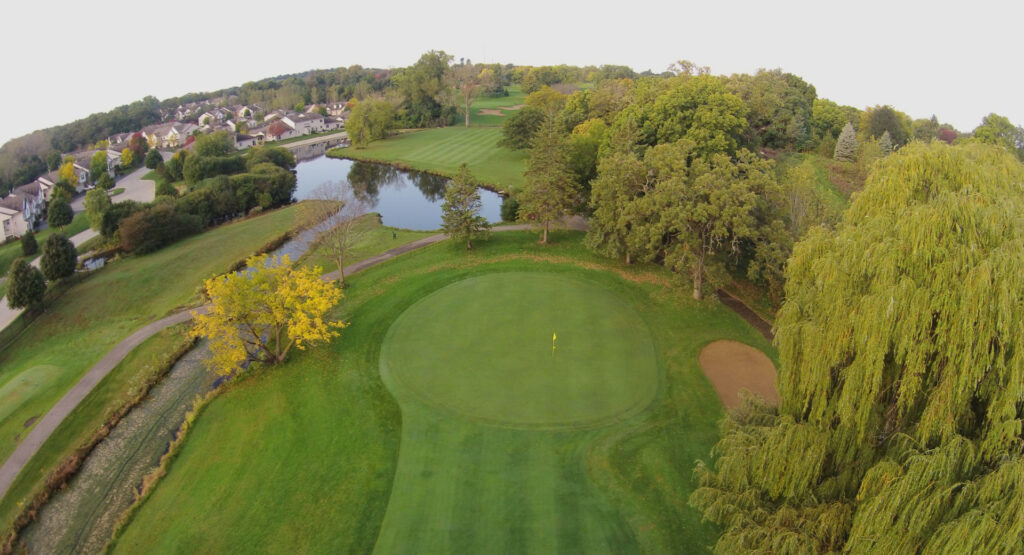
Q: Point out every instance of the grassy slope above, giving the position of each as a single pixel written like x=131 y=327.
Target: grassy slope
x=443 y=150
x=96 y=313
x=12 y=251
x=302 y=457
x=118 y=387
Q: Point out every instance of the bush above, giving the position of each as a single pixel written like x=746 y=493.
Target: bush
x=153 y=228
x=97 y=202
x=153 y=159
x=165 y=189
x=115 y=214
x=105 y=182
x=279 y=156
x=59 y=257
x=509 y=209
x=29 y=246
x=175 y=166
x=198 y=168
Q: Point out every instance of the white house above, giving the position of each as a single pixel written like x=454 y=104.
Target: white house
x=305 y=124
x=178 y=134
x=12 y=217
x=35 y=195
x=245 y=141
x=331 y=123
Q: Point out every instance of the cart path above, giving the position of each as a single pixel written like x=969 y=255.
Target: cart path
x=45 y=427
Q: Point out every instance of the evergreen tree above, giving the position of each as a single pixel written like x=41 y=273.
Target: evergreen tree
x=846 y=145
x=901 y=344
x=25 y=285
x=29 y=246
x=550 y=189
x=105 y=182
x=460 y=212
x=885 y=144
x=59 y=213
x=59 y=257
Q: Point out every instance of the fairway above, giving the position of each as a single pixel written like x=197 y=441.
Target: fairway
x=444 y=149
x=493 y=359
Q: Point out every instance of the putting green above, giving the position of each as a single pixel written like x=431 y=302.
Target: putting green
x=481 y=349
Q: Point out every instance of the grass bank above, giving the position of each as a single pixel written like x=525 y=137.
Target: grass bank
x=443 y=150
x=12 y=251
x=52 y=352
x=304 y=457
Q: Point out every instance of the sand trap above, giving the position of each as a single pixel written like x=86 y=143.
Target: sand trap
x=733 y=366
x=516 y=107
x=490 y=112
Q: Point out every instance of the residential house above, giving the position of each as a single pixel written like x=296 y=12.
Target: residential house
x=305 y=124
x=332 y=123
x=279 y=130
x=120 y=141
x=243 y=112
x=177 y=134
x=35 y=195
x=276 y=114
x=245 y=141
x=155 y=134
x=12 y=222
x=336 y=108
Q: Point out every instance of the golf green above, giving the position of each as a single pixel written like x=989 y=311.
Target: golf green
x=523 y=349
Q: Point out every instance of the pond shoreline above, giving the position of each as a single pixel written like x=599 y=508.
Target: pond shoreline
x=337 y=153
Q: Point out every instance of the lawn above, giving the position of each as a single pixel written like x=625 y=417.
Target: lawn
x=100 y=310
x=12 y=251
x=304 y=457
x=443 y=150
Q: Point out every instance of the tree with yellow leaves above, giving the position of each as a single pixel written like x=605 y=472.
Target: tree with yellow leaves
x=261 y=313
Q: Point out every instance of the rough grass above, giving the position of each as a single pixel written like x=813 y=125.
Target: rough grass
x=97 y=312
x=12 y=251
x=120 y=386
x=304 y=457
x=443 y=150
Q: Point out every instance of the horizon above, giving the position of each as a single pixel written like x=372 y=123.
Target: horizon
x=939 y=78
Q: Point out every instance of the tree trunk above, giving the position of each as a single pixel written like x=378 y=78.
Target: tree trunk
x=544 y=241
x=627 y=258
x=698 y=279
x=469 y=242
x=341 y=271
x=467 y=111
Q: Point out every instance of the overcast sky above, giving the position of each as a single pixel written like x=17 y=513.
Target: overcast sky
x=61 y=61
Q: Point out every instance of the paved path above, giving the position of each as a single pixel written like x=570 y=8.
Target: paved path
x=313 y=140
x=46 y=426
x=135 y=188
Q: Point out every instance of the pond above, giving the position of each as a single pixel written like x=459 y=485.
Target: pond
x=404 y=199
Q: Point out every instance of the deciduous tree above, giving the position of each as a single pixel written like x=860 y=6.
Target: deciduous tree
x=97 y=202
x=127 y=158
x=336 y=217
x=153 y=159
x=105 y=182
x=460 y=212
x=469 y=80
x=901 y=377
x=25 y=285
x=98 y=165
x=59 y=257
x=261 y=313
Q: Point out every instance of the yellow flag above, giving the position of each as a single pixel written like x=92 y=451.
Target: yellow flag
x=554 y=336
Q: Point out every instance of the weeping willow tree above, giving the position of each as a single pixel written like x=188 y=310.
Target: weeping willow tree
x=902 y=375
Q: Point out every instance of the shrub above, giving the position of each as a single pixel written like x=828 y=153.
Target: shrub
x=509 y=209
x=115 y=214
x=105 y=182
x=165 y=189
x=155 y=227
x=197 y=168
x=279 y=156
x=29 y=246
x=153 y=159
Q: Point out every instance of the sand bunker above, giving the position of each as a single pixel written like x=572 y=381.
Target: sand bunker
x=732 y=367
x=516 y=107
x=490 y=112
